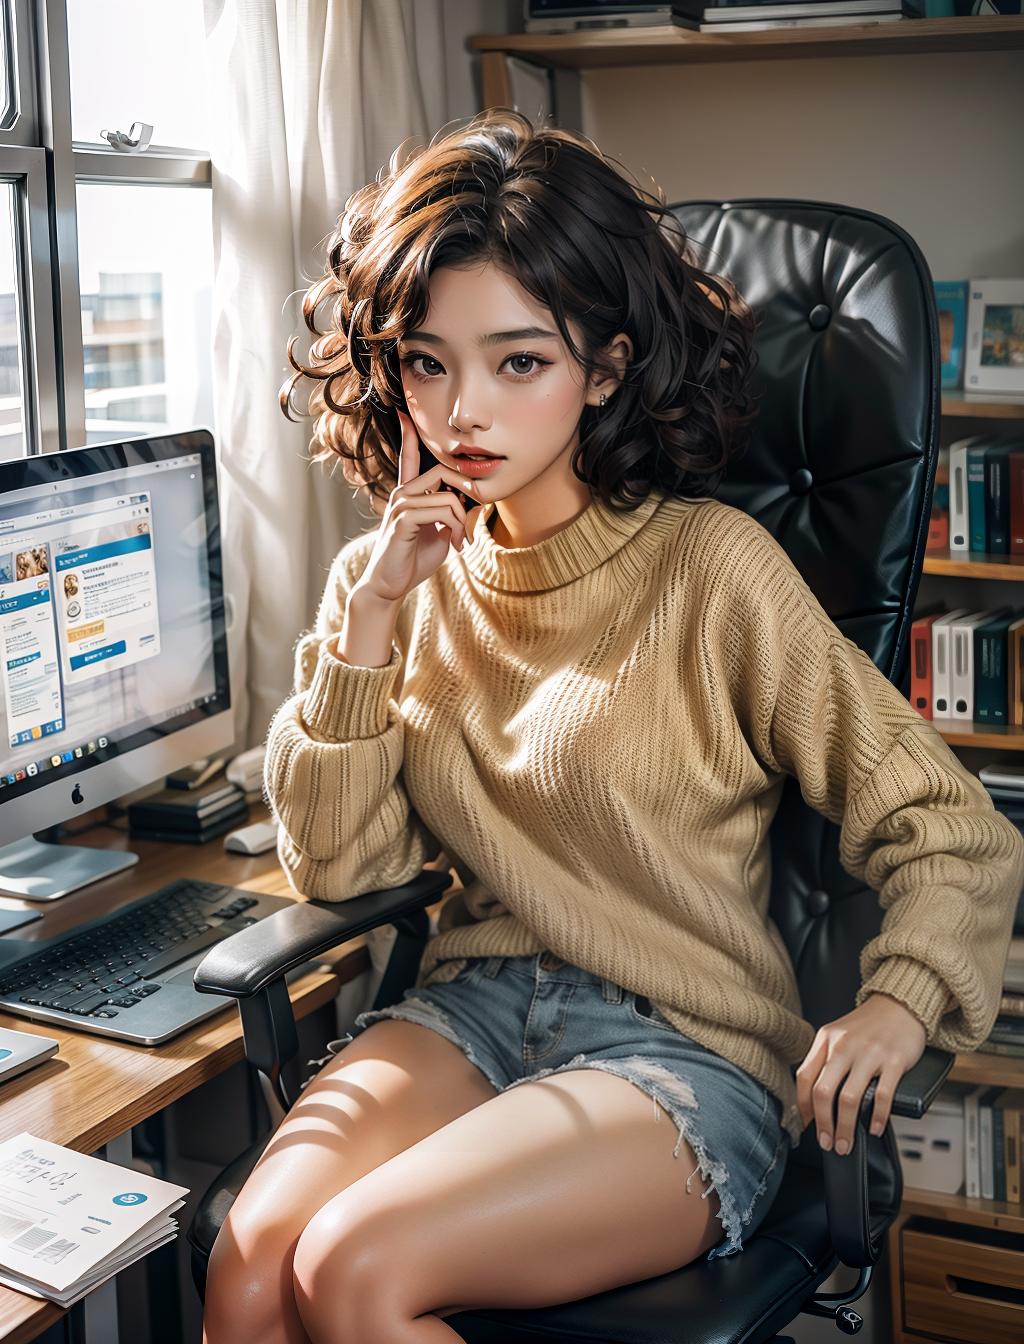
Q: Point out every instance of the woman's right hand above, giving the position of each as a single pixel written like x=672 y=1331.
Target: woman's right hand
x=409 y=545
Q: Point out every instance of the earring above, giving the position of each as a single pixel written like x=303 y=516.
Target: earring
x=603 y=400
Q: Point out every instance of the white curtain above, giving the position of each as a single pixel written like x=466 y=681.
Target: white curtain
x=310 y=98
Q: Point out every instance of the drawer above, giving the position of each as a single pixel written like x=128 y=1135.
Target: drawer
x=966 y=1284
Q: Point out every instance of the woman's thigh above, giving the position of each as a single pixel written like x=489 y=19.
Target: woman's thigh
x=551 y=1191
x=384 y=1091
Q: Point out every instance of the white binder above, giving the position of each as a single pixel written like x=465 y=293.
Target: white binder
x=959 y=516
x=961 y=635
x=941 y=680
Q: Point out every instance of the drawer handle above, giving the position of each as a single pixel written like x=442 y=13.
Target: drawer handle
x=988 y=1292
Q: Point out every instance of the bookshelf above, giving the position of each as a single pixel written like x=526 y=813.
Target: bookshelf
x=972 y=565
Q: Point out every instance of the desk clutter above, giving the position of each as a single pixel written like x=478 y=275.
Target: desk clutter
x=69 y=1221
x=189 y=816
x=198 y=804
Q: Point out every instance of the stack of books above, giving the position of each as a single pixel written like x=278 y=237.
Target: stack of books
x=190 y=816
x=68 y=1222
x=733 y=16
x=1007 y=1036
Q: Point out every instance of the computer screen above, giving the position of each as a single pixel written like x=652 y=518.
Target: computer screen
x=112 y=635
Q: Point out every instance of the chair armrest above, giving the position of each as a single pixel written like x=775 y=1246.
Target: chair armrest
x=251 y=965
x=253 y=958
x=873 y=1167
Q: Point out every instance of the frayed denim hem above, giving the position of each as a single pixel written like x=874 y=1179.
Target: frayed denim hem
x=677 y=1099
x=422 y=1013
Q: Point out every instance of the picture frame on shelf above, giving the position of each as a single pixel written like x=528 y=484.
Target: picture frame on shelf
x=994 y=358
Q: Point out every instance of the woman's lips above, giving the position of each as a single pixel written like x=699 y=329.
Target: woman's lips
x=477 y=469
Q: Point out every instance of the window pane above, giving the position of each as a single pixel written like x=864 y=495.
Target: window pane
x=4 y=71
x=146 y=270
x=12 y=407
x=117 y=77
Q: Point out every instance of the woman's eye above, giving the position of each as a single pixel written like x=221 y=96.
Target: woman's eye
x=518 y=375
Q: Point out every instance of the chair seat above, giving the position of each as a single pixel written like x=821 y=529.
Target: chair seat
x=741 y=1298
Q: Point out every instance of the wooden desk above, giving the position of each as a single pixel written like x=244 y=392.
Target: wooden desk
x=94 y=1088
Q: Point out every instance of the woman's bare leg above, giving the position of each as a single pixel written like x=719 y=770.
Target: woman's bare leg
x=557 y=1189
x=384 y=1091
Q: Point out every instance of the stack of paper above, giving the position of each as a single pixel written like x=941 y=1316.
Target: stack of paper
x=68 y=1221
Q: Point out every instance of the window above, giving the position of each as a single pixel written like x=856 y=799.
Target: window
x=106 y=273
x=146 y=275
x=12 y=420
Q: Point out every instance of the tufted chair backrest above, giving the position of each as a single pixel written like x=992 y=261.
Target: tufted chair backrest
x=840 y=470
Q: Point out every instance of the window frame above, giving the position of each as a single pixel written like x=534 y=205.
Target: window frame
x=38 y=154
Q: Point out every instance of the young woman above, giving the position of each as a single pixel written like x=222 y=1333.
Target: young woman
x=582 y=680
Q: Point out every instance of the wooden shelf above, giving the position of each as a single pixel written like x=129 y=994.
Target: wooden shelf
x=964 y=733
x=979 y=566
x=996 y=1070
x=958 y=406
x=995 y=1213
x=611 y=47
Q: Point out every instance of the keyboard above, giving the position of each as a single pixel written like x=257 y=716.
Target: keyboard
x=128 y=974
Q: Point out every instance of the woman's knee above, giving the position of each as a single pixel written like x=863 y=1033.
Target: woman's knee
x=249 y=1277
x=346 y=1275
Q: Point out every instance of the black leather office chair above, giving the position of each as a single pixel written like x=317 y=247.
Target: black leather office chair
x=840 y=470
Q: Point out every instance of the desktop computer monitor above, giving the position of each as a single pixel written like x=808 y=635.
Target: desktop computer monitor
x=113 y=645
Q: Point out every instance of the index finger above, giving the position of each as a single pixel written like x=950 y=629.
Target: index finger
x=409 y=453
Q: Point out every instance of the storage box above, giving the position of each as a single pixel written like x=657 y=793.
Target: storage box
x=932 y=1149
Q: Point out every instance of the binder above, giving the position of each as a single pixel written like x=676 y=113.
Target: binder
x=961 y=635
x=977 y=529
x=997 y=497
x=1017 y=502
x=941 y=675
x=959 y=524
x=991 y=703
x=921 y=662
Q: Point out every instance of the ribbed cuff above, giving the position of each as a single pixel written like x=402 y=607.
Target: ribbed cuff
x=915 y=985
x=345 y=702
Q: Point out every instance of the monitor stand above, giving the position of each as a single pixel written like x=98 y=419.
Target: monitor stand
x=36 y=871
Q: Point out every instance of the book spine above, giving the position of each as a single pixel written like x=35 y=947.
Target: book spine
x=1017 y=503
x=1012 y=1153
x=985 y=1163
x=998 y=1156
x=976 y=498
x=998 y=504
x=972 y=1184
x=921 y=667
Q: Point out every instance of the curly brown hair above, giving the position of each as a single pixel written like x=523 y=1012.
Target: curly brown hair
x=550 y=210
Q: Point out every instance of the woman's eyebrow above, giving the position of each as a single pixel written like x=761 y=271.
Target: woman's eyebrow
x=495 y=338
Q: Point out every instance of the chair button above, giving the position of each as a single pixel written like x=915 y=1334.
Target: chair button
x=819 y=316
x=801 y=481
x=817 y=902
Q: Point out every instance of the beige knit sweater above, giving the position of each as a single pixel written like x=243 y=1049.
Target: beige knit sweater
x=594 y=732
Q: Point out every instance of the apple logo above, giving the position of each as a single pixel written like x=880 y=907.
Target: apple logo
x=76 y=794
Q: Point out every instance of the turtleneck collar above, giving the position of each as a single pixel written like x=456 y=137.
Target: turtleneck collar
x=584 y=544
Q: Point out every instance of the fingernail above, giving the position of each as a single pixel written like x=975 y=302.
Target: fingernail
x=825 y=1140
x=842 y=1147
x=876 y=1130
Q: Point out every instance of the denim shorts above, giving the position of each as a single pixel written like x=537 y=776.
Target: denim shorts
x=521 y=1018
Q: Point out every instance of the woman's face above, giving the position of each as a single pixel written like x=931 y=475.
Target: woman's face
x=518 y=395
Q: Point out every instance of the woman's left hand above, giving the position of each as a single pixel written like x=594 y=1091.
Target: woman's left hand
x=880 y=1037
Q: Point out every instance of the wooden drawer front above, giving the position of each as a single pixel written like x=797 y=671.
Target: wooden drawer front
x=962 y=1290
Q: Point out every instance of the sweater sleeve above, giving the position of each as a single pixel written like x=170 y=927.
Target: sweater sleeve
x=333 y=762
x=915 y=825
